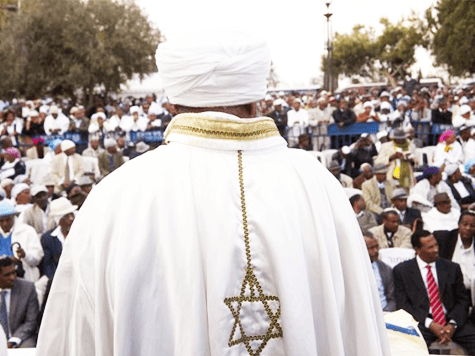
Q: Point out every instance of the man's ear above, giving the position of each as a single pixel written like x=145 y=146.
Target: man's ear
x=173 y=109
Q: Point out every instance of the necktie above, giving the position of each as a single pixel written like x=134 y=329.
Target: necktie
x=434 y=297
x=384 y=198
x=4 y=314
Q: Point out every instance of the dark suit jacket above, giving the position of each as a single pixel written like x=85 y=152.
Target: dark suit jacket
x=439 y=117
x=386 y=273
x=411 y=215
x=411 y=294
x=24 y=307
x=447 y=241
x=53 y=249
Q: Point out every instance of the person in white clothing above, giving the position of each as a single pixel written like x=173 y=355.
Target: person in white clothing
x=56 y=123
x=297 y=121
x=464 y=117
x=23 y=239
x=442 y=216
x=448 y=150
x=214 y=260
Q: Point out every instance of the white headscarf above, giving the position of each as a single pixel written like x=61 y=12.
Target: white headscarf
x=214 y=68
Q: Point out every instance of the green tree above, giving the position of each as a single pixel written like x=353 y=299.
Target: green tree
x=389 y=55
x=67 y=45
x=454 y=36
x=354 y=54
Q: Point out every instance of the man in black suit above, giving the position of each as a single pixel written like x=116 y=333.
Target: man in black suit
x=18 y=306
x=408 y=216
x=442 y=312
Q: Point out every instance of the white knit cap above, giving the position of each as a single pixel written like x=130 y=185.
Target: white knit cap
x=214 y=68
x=66 y=145
x=464 y=109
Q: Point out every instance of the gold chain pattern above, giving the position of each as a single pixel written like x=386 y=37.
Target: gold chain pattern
x=256 y=294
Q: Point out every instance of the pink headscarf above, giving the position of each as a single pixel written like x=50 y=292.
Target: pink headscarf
x=446 y=135
x=13 y=151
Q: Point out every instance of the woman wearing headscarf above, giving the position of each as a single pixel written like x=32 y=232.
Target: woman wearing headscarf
x=448 y=150
x=13 y=165
x=429 y=183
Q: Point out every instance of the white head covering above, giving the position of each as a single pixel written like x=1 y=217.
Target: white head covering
x=18 y=188
x=385 y=105
x=464 y=109
x=134 y=109
x=368 y=104
x=67 y=144
x=214 y=68
x=451 y=168
x=109 y=142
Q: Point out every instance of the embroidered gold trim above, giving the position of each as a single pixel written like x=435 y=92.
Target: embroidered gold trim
x=203 y=126
x=256 y=294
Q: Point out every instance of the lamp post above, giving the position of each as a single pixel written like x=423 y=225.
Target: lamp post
x=328 y=80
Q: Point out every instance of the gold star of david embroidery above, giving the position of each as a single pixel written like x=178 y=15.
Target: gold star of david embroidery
x=252 y=303
x=251 y=292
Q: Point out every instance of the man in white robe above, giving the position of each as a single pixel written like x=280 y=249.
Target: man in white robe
x=206 y=256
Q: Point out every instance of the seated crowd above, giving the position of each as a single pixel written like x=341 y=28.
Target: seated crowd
x=42 y=186
x=429 y=213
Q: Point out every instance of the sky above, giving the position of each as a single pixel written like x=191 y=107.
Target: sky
x=295 y=30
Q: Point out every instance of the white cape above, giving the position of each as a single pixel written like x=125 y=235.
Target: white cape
x=159 y=245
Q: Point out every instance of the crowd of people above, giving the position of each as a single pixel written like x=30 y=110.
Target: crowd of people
x=395 y=205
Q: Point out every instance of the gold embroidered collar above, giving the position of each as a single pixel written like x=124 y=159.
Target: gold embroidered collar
x=212 y=125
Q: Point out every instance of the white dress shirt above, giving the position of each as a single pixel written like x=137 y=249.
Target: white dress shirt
x=422 y=267
x=466 y=259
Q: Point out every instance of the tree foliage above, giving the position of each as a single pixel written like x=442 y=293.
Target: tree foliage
x=454 y=36
x=66 y=45
x=363 y=53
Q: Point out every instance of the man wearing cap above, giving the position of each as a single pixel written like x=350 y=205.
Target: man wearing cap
x=56 y=123
x=29 y=250
x=345 y=181
x=67 y=166
x=62 y=214
x=79 y=122
x=460 y=186
x=111 y=159
x=442 y=216
x=398 y=154
x=377 y=191
x=408 y=216
x=297 y=121
x=94 y=149
x=463 y=117
x=7 y=185
x=391 y=233
x=37 y=215
x=214 y=259
x=280 y=115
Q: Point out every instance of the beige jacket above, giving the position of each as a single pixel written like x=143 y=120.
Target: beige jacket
x=402 y=237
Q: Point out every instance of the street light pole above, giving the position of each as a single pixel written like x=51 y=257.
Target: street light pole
x=328 y=81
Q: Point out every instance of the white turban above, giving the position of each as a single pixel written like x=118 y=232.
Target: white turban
x=451 y=169
x=18 y=188
x=109 y=142
x=218 y=68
